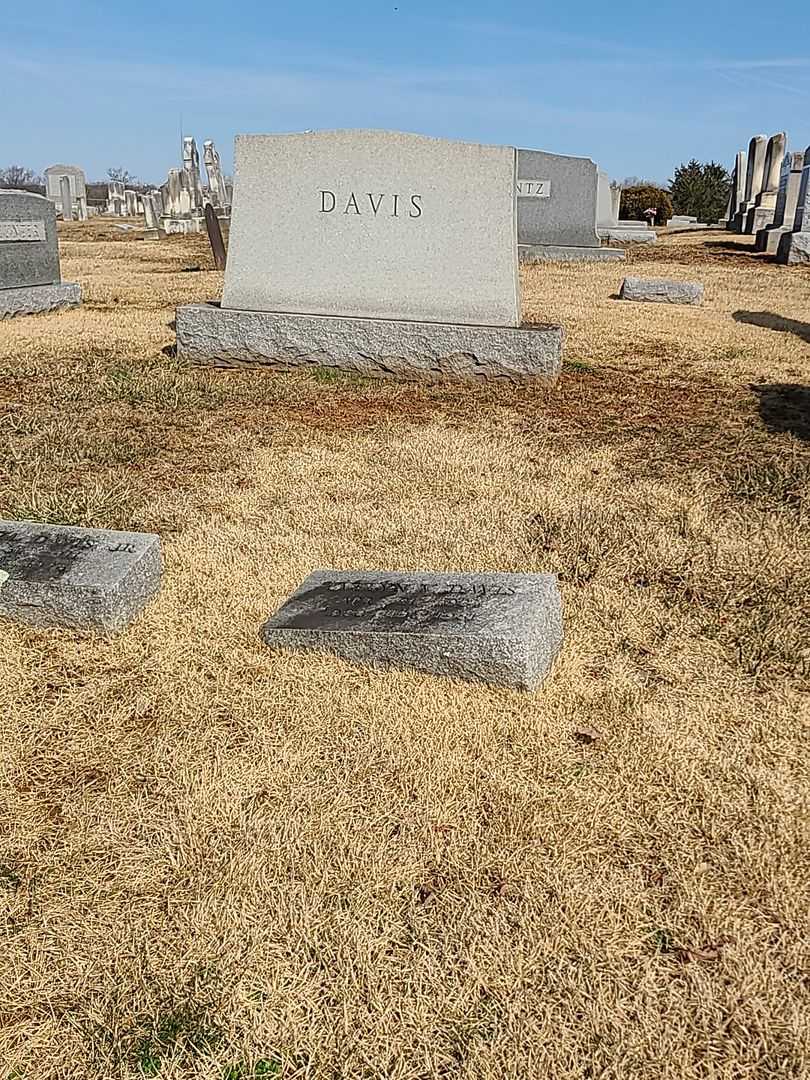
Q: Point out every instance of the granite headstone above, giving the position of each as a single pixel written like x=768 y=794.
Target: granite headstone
x=503 y=629
x=61 y=575
x=30 y=279
x=378 y=252
x=557 y=205
x=29 y=254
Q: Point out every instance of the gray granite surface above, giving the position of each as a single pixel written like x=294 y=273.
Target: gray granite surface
x=29 y=254
x=661 y=292
x=62 y=575
x=502 y=629
x=374 y=224
x=378 y=348
x=35 y=299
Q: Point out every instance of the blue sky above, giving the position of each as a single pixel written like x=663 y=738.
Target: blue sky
x=100 y=84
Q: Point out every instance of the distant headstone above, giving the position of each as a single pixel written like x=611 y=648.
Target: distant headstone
x=66 y=199
x=360 y=250
x=151 y=216
x=191 y=169
x=794 y=246
x=755 y=169
x=61 y=575
x=216 y=181
x=116 y=200
x=661 y=292
x=503 y=629
x=30 y=281
x=215 y=237
x=787 y=199
x=761 y=214
x=131 y=198
x=557 y=202
x=68 y=204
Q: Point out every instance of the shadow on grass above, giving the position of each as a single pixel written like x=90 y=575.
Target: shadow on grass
x=730 y=245
x=774 y=322
x=785 y=407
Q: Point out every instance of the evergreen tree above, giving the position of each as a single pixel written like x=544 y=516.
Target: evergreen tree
x=700 y=190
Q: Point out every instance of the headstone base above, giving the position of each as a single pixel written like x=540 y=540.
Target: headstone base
x=768 y=239
x=555 y=253
x=760 y=218
x=625 y=235
x=502 y=629
x=34 y=299
x=375 y=348
x=794 y=249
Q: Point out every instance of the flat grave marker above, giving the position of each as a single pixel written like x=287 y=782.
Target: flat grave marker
x=503 y=629
x=63 y=575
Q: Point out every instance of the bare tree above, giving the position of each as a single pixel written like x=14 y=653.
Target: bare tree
x=124 y=176
x=17 y=176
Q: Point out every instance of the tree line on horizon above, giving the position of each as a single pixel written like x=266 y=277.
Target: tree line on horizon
x=700 y=190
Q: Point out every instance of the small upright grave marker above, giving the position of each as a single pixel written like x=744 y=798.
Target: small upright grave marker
x=503 y=629
x=30 y=280
x=85 y=579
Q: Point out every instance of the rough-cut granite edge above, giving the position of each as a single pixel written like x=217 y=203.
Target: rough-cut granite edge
x=106 y=607
x=656 y=291
x=794 y=249
x=33 y=299
x=566 y=253
x=376 y=348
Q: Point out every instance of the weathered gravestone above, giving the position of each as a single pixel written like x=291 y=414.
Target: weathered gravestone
x=214 y=230
x=761 y=214
x=794 y=246
x=654 y=291
x=377 y=252
x=754 y=176
x=790 y=179
x=503 y=629
x=557 y=208
x=70 y=201
x=91 y=579
x=30 y=280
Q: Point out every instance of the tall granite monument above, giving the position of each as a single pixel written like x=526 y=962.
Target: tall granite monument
x=787 y=198
x=794 y=246
x=381 y=253
x=30 y=279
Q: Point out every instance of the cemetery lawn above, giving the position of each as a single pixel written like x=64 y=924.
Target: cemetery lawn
x=220 y=862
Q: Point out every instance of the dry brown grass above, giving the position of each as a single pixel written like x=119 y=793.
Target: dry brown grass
x=216 y=862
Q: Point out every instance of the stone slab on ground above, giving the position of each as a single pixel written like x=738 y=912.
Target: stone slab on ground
x=556 y=253
x=661 y=292
x=503 y=629
x=624 y=235
x=35 y=299
x=84 y=579
x=377 y=348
